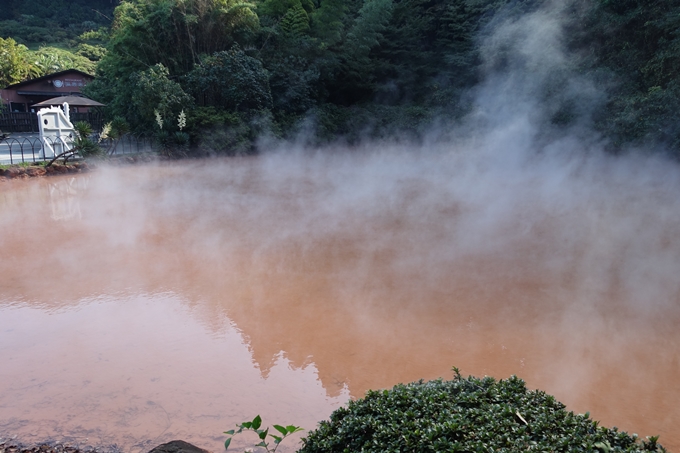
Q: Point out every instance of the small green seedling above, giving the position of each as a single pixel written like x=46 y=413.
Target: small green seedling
x=254 y=426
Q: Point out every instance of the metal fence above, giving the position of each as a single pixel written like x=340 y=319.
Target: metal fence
x=31 y=148
x=28 y=121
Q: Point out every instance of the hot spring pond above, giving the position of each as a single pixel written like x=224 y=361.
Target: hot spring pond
x=144 y=304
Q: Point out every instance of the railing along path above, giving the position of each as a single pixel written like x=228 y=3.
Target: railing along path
x=31 y=148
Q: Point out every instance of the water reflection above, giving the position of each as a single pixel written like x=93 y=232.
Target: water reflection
x=136 y=371
x=65 y=196
x=177 y=300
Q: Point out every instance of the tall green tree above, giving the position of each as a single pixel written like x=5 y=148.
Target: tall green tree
x=230 y=80
x=290 y=54
x=156 y=93
x=356 y=76
x=15 y=62
x=328 y=21
x=295 y=23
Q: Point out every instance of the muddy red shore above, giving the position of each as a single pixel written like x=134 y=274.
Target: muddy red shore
x=32 y=171
x=58 y=168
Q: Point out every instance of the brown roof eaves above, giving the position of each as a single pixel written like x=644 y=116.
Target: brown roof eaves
x=49 y=76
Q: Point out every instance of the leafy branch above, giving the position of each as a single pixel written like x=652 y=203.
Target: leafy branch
x=255 y=425
x=83 y=145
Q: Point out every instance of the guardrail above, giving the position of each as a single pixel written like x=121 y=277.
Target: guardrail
x=33 y=149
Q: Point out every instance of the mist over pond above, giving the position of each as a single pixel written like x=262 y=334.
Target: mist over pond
x=143 y=304
x=149 y=303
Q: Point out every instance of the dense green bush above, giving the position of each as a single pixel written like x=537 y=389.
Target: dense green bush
x=466 y=415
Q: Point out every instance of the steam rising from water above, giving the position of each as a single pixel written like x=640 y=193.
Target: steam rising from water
x=506 y=249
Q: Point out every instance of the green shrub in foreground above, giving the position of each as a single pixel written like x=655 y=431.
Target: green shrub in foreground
x=465 y=415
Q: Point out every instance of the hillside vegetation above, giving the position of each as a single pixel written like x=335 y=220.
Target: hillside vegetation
x=349 y=68
x=40 y=37
x=36 y=22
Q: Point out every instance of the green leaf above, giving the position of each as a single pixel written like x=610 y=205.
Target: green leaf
x=257 y=422
x=281 y=429
x=263 y=434
x=246 y=425
x=262 y=444
x=230 y=432
x=277 y=439
x=226 y=443
x=293 y=429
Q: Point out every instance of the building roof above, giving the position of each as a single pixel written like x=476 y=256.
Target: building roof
x=49 y=76
x=77 y=101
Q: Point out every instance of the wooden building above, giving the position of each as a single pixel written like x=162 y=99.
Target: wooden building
x=21 y=96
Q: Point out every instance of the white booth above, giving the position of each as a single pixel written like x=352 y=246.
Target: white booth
x=56 y=131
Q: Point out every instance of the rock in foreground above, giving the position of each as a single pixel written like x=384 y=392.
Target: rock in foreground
x=178 y=446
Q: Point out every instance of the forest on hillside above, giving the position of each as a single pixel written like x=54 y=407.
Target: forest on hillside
x=350 y=68
x=38 y=21
x=40 y=37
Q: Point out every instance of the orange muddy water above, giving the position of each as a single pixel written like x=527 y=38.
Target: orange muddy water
x=144 y=304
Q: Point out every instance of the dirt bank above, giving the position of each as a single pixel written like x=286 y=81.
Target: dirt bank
x=39 y=169
x=11 y=447
x=175 y=446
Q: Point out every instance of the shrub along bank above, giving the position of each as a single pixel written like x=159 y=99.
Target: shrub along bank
x=466 y=415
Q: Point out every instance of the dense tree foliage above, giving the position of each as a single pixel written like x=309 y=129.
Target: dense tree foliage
x=50 y=59
x=358 y=67
x=18 y=63
x=179 y=47
x=15 y=64
x=230 y=80
x=637 y=43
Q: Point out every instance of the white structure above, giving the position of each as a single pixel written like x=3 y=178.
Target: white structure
x=56 y=130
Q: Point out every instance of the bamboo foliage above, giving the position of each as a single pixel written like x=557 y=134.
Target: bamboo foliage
x=176 y=33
